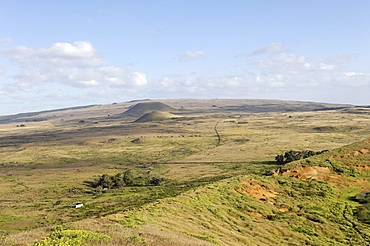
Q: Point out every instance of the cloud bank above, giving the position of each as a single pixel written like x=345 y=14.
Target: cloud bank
x=76 y=73
x=75 y=64
x=270 y=71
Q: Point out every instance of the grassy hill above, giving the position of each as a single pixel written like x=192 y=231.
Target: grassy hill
x=214 y=189
x=250 y=209
x=155 y=116
x=146 y=107
x=270 y=210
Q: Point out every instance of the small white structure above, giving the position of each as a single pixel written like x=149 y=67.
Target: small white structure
x=77 y=205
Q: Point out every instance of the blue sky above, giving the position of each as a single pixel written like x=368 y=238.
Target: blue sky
x=56 y=54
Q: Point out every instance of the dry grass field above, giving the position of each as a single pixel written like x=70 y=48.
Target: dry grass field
x=51 y=161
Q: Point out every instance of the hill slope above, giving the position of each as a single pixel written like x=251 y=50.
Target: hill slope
x=144 y=107
x=48 y=165
x=281 y=209
x=272 y=210
x=155 y=116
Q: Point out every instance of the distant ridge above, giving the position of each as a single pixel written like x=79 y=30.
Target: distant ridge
x=145 y=107
x=21 y=117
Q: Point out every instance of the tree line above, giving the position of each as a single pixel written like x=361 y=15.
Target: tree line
x=294 y=155
x=126 y=178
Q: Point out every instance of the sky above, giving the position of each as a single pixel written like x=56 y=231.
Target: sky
x=57 y=54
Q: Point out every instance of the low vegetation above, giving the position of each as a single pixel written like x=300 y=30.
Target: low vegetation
x=293 y=155
x=195 y=179
x=363 y=212
x=71 y=238
x=126 y=178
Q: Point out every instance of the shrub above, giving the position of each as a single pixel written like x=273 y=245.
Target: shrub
x=136 y=239
x=363 y=197
x=155 y=181
x=126 y=178
x=293 y=155
x=71 y=238
x=363 y=213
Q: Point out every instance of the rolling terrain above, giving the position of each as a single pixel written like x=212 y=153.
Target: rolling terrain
x=215 y=159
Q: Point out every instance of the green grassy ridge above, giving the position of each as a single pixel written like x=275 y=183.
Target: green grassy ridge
x=221 y=214
x=51 y=205
x=344 y=160
x=309 y=212
x=40 y=172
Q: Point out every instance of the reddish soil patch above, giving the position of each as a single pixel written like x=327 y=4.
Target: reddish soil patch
x=361 y=152
x=309 y=172
x=257 y=191
x=316 y=172
x=354 y=153
x=364 y=184
x=256 y=214
x=284 y=209
x=365 y=151
x=324 y=173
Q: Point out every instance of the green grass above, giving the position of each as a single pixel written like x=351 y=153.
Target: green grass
x=220 y=214
x=48 y=165
x=71 y=238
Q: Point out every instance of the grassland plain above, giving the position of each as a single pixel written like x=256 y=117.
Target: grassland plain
x=47 y=165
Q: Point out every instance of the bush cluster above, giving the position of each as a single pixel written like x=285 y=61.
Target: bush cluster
x=363 y=212
x=71 y=238
x=126 y=178
x=294 y=155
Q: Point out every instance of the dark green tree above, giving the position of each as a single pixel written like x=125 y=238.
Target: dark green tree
x=105 y=181
x=155 y=181
x=294 y=155
x=279 y=159
x=119 y=180
x=128 y=177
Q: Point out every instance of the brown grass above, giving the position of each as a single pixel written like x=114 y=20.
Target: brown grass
x=48 y=159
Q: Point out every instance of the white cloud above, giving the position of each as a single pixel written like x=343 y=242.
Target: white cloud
x=89 y=83
x=5 y=41
x=191 y=56
x=286 y=70
x=284 y=63
x=209 y=86
x=354 y=79
x=278 y=73
x=269 y=49
x=78 y=54
x=194 y=54
x=269 y=71
x=350 y=74
x=139 y=79
x=74 y=64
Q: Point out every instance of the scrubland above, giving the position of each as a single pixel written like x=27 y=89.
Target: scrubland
x=213 y=157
